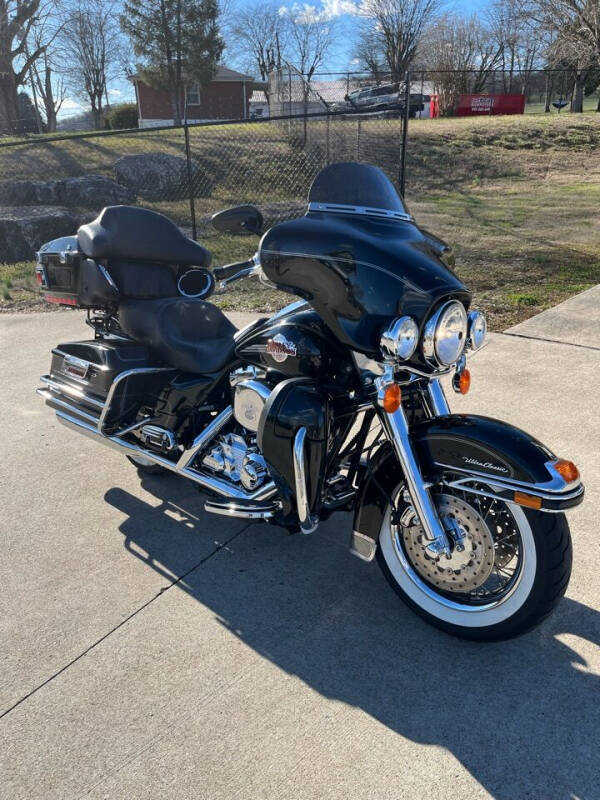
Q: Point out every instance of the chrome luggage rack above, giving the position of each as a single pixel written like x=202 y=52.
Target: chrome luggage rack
x=77 y=409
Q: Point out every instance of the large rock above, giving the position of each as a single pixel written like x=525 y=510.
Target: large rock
x=161 y=176
x=86 y=191
x=23 y=230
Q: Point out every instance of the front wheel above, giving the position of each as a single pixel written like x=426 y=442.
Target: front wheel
x=507 y=570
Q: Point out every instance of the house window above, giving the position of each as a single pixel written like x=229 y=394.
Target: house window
x=192 y=95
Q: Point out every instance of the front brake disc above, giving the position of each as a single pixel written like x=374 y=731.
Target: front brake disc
x=467 y=568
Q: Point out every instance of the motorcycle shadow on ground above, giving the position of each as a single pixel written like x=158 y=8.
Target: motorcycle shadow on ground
x=521 y=716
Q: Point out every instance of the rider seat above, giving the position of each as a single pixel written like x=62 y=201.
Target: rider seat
x=192 y=335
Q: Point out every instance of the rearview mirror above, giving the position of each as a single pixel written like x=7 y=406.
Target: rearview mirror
x=238 y=220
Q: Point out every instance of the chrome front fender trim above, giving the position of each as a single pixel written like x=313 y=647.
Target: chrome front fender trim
x=551 y=490
x=496 y=489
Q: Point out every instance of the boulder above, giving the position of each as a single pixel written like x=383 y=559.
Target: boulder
x=24 y=229
x=161 y=176
x=85 y=191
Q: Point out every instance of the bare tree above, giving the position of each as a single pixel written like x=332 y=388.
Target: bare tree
x=369 y=55
x=574 y=29
x=46 y=83
x=91 y=45
x=393 y=29
x=462 y=55
x=16 y=20
x=520 y=47
x=310 y=36
x=260 y=30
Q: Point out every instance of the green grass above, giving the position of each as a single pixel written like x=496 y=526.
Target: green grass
x=517 y=197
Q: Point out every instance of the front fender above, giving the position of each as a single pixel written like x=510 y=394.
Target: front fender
x=464 y=451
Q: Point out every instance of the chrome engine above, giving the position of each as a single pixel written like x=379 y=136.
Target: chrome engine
x=237 y=456
x=238 y=461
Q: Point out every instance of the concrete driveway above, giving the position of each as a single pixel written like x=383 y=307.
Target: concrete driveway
x=150 y=650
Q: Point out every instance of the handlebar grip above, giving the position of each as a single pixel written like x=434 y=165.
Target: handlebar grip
x=229 y=270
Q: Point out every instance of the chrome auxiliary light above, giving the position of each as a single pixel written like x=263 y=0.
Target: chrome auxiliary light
x=477 y=330
x=399 y=341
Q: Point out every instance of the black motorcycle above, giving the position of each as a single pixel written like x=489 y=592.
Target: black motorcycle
x=332 y=404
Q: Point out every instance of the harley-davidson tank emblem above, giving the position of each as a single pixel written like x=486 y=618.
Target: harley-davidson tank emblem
x=279 y=348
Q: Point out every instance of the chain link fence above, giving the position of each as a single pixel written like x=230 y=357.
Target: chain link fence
x=50 y=185
x=515 y=195
x=434 y=93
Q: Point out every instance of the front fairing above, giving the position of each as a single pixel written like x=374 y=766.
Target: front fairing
x=358 y=272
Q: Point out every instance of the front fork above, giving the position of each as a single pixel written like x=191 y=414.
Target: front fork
x=396 y=428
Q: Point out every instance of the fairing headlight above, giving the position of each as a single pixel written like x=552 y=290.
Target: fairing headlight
x=400 y=340
x=445 y=334
x=477 y=329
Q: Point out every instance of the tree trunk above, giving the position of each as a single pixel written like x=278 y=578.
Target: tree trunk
x=9 y=113
x=175 y=94
x=549 y=90
x=577 y=102
x=98 y=118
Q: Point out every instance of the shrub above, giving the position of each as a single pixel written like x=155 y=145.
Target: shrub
x=122 y=116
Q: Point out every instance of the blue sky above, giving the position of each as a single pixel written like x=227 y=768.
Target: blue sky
x=339 y=58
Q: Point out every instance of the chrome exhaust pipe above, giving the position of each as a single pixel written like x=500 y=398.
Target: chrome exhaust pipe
x=210 y=483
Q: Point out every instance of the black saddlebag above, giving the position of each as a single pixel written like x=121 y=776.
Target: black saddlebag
x=103 y=382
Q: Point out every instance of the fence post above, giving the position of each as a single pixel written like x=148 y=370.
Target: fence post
x=358 y=138
x=188 y=160
x=402 y=176
x=327 y=139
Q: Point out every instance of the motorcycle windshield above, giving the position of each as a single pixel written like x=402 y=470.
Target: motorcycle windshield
x=361 y=186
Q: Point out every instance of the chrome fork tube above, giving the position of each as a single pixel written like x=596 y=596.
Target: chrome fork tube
x=437 y=396
x=395 y=426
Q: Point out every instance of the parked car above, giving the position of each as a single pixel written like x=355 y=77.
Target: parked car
x=388 y=98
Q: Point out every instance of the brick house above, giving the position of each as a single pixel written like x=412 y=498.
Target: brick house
x=227 y=96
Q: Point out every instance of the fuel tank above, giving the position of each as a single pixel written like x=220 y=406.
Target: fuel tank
x=297 y=343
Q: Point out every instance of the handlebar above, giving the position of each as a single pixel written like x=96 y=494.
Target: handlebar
x=231 y=272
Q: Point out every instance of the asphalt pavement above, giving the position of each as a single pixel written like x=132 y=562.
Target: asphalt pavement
x=151 y=650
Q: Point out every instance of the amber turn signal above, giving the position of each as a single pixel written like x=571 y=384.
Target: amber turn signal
x=392 y=397
x=566 y=470
x=464 y=381
x=528 y=500
x=461 y=382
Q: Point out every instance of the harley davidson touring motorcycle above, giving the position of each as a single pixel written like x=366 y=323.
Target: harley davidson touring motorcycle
x=332 y=404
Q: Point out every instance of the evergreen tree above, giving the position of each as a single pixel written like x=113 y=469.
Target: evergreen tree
x=178 y=42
